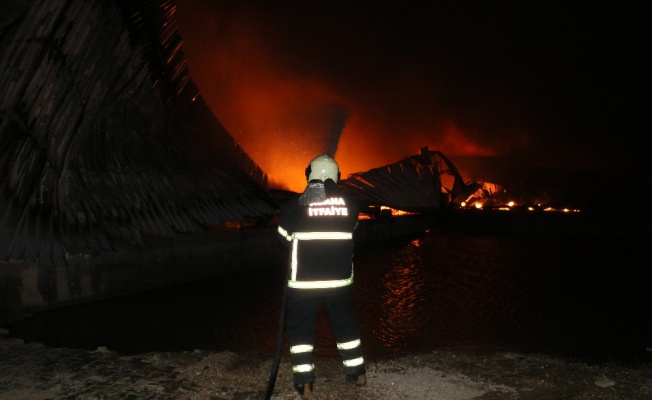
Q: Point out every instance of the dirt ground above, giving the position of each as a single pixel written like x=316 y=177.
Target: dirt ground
x=446 y=375
x=36 y=372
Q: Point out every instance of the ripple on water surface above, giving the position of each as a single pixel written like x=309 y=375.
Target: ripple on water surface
x=551 y=294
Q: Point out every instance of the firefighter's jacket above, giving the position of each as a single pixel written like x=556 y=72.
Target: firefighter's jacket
x=319 y=226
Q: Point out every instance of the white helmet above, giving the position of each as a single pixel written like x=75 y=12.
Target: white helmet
x=323 y=167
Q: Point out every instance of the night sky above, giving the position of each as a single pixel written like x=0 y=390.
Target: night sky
x=556 y=86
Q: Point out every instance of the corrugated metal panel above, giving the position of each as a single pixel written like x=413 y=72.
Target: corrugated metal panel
x=105 y=136
x=412 y=184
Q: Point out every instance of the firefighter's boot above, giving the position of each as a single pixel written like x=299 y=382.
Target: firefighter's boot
x=304 y=390
x=359 y=381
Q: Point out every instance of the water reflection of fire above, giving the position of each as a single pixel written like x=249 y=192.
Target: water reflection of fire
x=402 y=297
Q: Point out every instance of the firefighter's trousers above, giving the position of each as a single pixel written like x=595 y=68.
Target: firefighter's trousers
x=302 y=309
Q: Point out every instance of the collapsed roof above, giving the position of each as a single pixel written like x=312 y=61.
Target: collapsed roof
x=105 y=137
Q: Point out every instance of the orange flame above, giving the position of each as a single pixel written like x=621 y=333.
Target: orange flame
x=282 y=115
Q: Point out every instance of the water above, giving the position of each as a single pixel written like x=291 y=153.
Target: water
x=585 y=297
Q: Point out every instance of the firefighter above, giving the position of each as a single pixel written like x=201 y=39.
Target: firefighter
x=318 y=225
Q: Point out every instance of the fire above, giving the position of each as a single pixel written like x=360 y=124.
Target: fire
x=283 y=110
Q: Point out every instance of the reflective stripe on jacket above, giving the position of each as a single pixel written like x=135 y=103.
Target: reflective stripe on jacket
x=320 y=235
x=320 y=284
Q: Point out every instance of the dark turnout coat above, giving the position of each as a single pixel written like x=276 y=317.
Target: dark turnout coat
x=319 y=226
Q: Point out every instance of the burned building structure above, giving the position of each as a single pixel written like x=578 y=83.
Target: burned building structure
x=106 y=142
x=115 y=176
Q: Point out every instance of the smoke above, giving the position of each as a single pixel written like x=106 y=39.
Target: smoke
x=370 y=83
x=285 y=101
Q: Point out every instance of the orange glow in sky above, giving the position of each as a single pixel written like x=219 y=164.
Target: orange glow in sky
x=283 y=113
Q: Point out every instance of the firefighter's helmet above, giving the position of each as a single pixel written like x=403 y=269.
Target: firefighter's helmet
x=323 y=167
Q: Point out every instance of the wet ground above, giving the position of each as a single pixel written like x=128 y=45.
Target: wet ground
x=574 y=296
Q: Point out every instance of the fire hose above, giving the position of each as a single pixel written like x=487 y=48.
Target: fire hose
x=271 y=382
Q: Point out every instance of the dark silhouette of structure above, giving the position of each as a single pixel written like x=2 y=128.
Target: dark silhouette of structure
x=111 y=161
x=105 y=137
x=115 y=176
x=421 y=183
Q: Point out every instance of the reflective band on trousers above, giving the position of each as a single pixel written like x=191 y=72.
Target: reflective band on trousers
x=353 y=363
x=301 y=348
x=349 y=345
x=303 y=368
